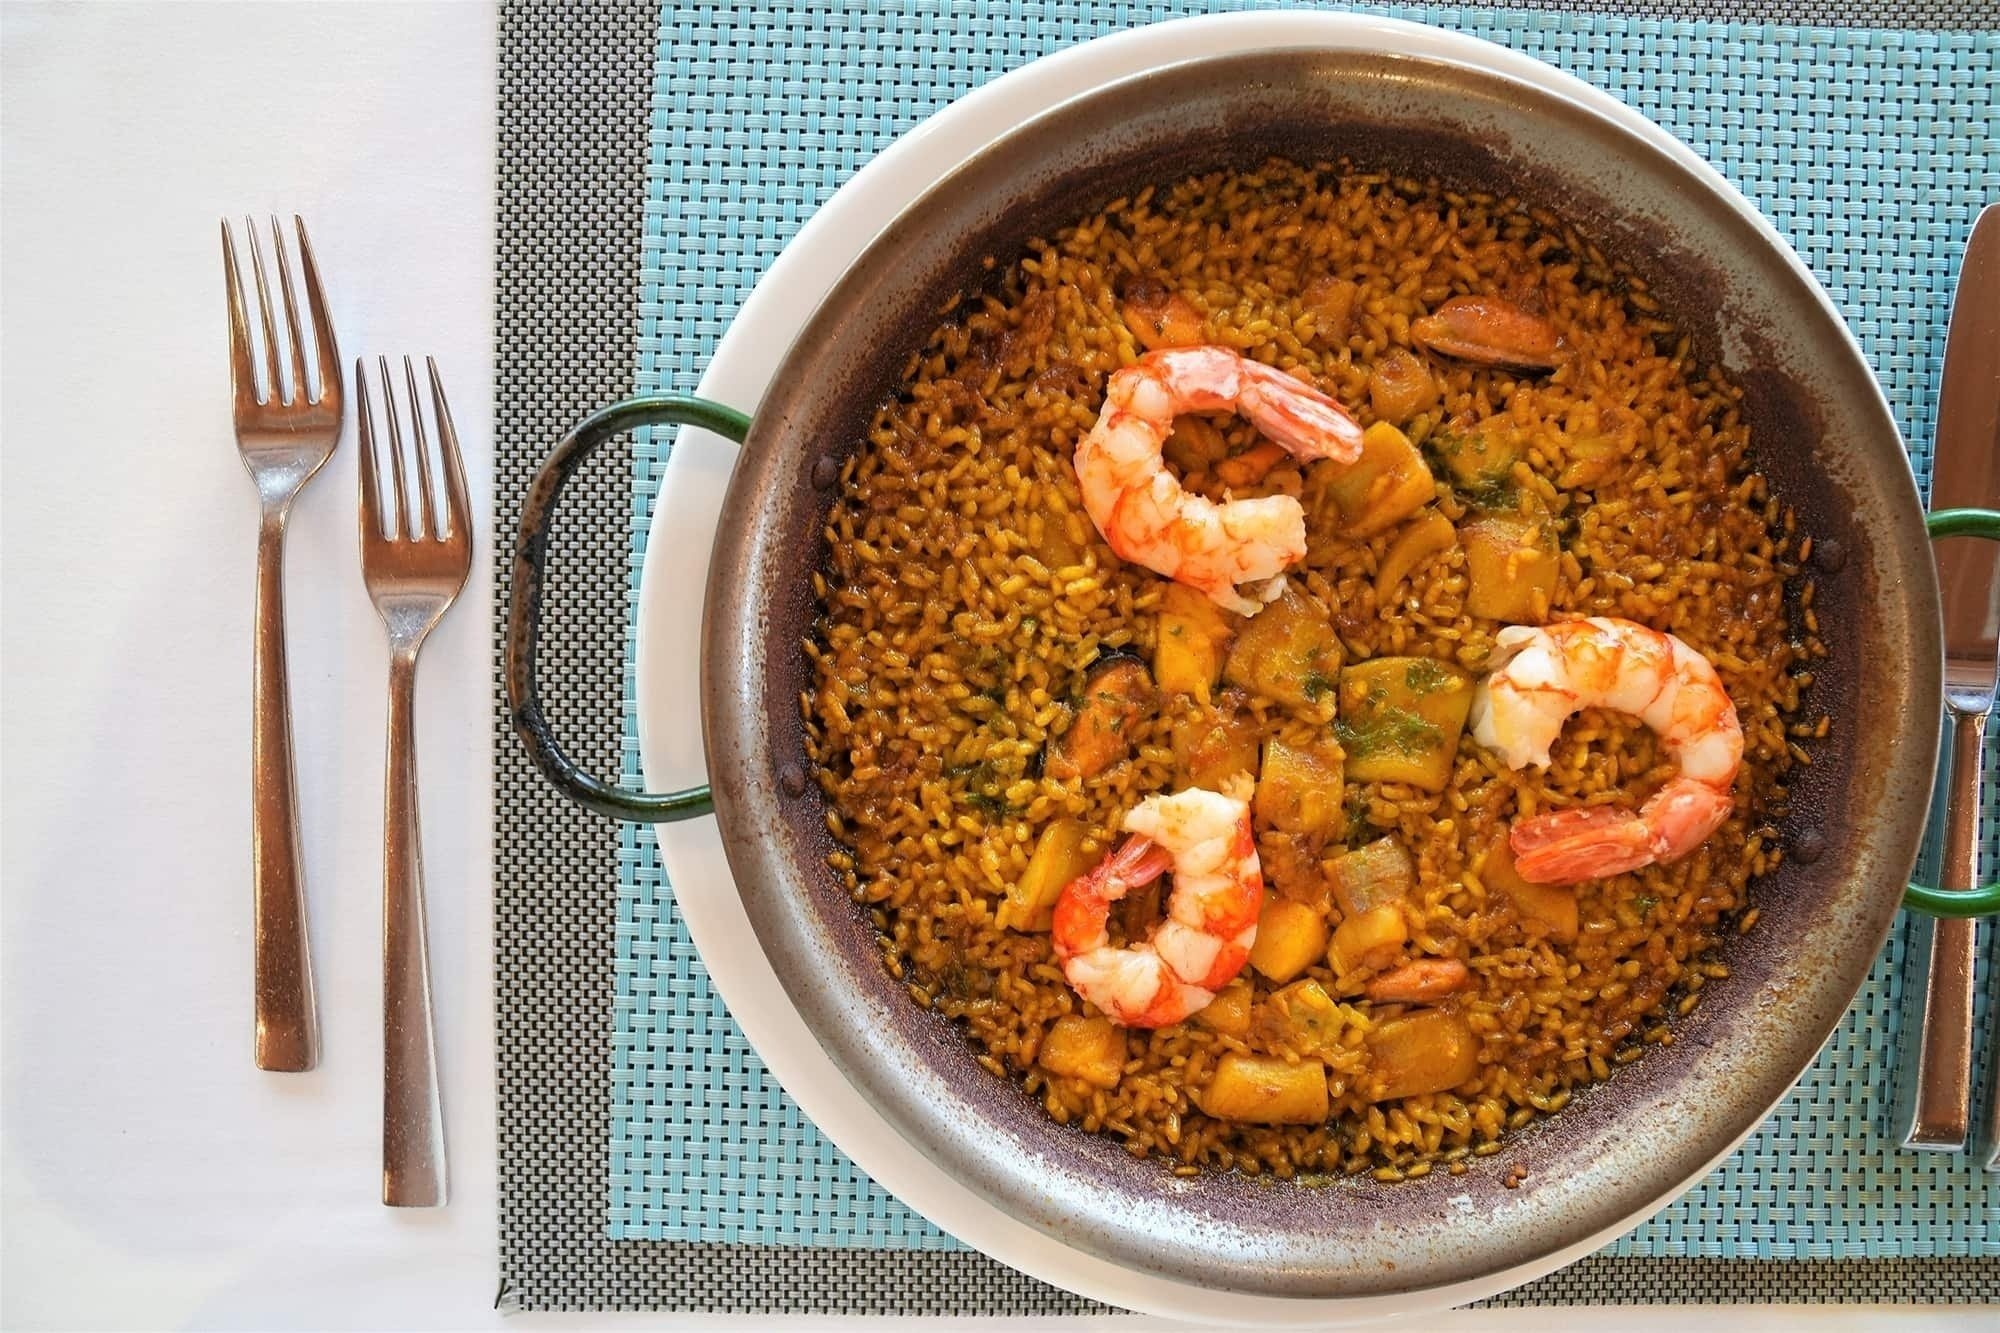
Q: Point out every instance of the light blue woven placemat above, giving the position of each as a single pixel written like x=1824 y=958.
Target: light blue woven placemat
x=1870 y=150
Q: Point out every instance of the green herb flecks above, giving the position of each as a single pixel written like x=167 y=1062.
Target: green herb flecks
x=1425 y=675
x=993 y=807
x=1497 y=494
x=1387 y=731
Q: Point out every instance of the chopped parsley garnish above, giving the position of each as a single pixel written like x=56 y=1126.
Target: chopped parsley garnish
x=1491 y=493
x=993 y=807
x=1387 y=729
x=1425 y=675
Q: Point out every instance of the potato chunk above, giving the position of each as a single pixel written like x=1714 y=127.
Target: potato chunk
x=1058 y=858
x=1213 y=745
x=1117 y=692
x=1229 y=1012
x=1305 y=1018
x=1400 y=386
x=1481 y=459
x=1401 y=718
x=1331 y=302
x=1192 y=640
x=1300 y=790
x=1263 y=1090
x=1428 y=536
x=1545 y=909
x=1373 y=938
x=1092 y=1049
x=1429 y=1051
x=1287 y=652
x=1379 y=874
x=1511 y=563
x=1378 y=490
x=1291 y=936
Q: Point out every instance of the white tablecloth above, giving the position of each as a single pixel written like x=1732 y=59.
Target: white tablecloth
x=151 y=1176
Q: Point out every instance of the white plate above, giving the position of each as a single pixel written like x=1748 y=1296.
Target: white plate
x=670 y=606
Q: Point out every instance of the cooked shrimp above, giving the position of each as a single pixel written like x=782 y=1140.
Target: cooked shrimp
x=1424 y=981
x=1204 y=838
x=1158 y=315
x=1140 y=507
x=1544 y=675
x=1491 y=332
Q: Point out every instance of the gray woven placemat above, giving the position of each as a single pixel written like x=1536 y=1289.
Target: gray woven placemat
x=574 y=89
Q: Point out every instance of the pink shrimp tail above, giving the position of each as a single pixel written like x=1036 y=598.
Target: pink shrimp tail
x=1137 y=862
x=1305 y=422
x=1086 y=900
x=1572 y=845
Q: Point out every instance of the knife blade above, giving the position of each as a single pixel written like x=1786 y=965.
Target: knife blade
x=1965 y=471
x=1935 y=1093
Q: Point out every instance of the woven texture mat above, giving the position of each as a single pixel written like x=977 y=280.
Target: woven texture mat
x=1869 y=149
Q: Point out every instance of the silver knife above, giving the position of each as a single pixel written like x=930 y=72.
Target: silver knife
x=1934 y=1094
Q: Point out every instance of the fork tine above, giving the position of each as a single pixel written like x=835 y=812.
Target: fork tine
x=242 y=357
x=272 y=387
x=404 y=532
x=297 y=349
x=329 y=354
x=371 y=495
x=454 y=464
x=420 y=451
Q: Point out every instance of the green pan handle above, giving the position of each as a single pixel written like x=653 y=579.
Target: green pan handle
x=524 y=619
x=1983 y=901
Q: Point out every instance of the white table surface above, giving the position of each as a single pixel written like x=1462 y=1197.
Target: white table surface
x=149 y=1175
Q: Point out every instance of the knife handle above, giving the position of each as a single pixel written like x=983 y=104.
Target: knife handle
x=1934 y=1096
x=1958 y=869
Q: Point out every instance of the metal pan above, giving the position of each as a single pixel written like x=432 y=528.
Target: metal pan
x=1825 y=439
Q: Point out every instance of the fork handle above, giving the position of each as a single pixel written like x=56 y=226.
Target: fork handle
x=287 y=1033
x=413 y=1164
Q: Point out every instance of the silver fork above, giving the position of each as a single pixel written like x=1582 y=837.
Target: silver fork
x=413 y=573
x=285 y=435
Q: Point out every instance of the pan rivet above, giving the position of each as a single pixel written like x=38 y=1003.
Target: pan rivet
x=1830 y=555
x=792 y=780
x=1810 y=847
x=825 y=472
